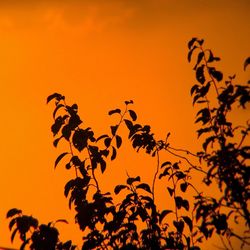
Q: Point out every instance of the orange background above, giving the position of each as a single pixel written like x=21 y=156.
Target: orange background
x=98 y=54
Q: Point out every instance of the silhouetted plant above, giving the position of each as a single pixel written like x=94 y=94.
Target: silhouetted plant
x=136 y=222
x=39 y=237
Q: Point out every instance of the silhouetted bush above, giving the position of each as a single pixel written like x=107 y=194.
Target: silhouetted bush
x=136 y=222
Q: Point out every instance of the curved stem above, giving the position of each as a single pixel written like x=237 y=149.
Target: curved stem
x=183 y=157
x=156 y=173
x=183 y=150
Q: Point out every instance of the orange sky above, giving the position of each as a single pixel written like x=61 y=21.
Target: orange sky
x=100 y=53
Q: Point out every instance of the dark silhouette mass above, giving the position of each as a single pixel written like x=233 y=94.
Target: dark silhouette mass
x=136 y=222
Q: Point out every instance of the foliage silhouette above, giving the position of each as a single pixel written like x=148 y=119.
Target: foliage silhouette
x=136 y=222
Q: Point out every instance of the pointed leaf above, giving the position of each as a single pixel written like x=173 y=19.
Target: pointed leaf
x=118 y=141
x=63 y=221
x=190 y=53
x=163 y=214
x=194 y=89
x=165 y=163
x=191 y=42
x=12 y=223
x=53 y=96
x=144 y=186
x=113 y=156
x=132 y=115
x=59 y=158
x=118 y=188
x=189 y=222
x=113 y=129
x=55 y=142
x=114 y=111
x=129 y=124
x=131 y=180
x=103 y=165
x=171 y=191
x=247 y=61
x=200 y=57
x=13 y=235
x=101 y=137
x=200 y=74
x=12 y=212
x=185 y=204
x=184 y=187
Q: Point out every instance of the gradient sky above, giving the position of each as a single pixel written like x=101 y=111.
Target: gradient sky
x=98 y=54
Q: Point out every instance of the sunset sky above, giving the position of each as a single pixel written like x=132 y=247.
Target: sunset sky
x=99 y=53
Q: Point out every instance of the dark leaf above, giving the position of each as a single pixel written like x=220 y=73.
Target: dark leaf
x=211 y=57
x=196 y=98
x=247 y=61
x=113 y=156
x=80 y=139
x=132 y=115
x=103 y=165
x=57 y=125
x=67 y=245
x=215 y=74
x=55 y=142
x=54 y=96
x=69 y=185
x=114 y=129
x=59 y=158
x=191 y=42
x=129 y=102
x=68 y=166
x=107 y=142
x=74 y=107
x=176 y=166
x=208 y=141
x=165 y=164
x=129 y=124
x=12 y=223
x=13 y=235
x=114 y=111
x=204 y=90
x=24 y=244
x=194 y=89
x=203 y=130
x=131 y=180
x=179 y=226
x=171 y=191
x=184 y=187
x=180 y=175
x=118 y=188
x=56 y=109
x=101 y=137
x=200 y=74
x=178 y=202
x=144 y=186
x=185 y=204
x=63 y=221
x=66 y=132
x=190 y=53
x=200 y=41
x=165 y=172
x=200 y=57
x=189 y=222
x=118 y=141
x=163 y=214
x=12 y=212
